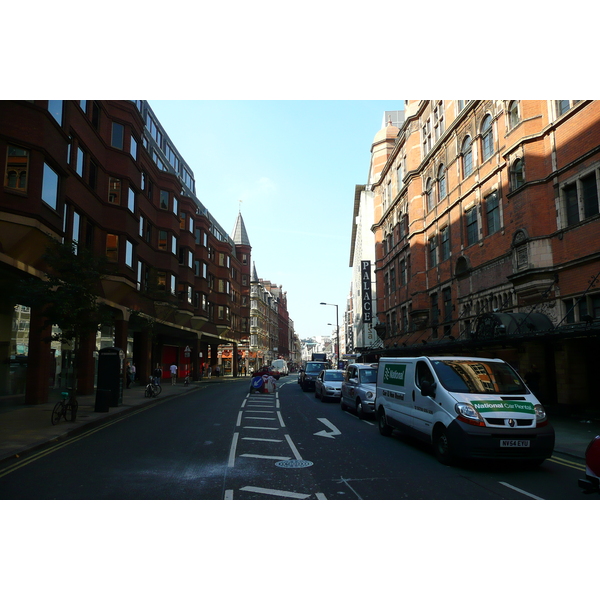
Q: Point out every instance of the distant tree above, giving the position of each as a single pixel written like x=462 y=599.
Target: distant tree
x=69 y=294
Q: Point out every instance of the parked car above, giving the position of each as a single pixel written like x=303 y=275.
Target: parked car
x=358 y=388
x=309 y=374
x=329 y=384
x=465 y=407
x=591 y=482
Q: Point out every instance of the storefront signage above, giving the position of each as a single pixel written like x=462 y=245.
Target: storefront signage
x=367 y=296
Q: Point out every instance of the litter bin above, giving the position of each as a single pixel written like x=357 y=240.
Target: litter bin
x=110 y=376
x=102 y=400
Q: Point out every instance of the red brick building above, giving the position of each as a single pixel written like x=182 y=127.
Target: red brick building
x=487 y=226
x=106 y=175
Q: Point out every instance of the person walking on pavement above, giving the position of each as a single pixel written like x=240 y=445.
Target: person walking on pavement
x=217 y=370
x=173 y=370
x=157 y=374
x=209 y=371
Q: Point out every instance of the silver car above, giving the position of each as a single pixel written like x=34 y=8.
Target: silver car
x=358 y=388
x=329 y=384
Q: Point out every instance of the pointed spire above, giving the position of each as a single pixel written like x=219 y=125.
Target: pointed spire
x=254 y=273
x=240 y=235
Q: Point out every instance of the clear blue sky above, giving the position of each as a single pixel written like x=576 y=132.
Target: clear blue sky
x=294 y=165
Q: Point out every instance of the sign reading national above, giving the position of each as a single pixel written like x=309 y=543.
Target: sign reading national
x=394 y=374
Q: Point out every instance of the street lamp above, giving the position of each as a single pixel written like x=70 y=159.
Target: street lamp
x=337 y=327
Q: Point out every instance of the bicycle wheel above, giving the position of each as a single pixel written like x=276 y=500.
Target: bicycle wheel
x=71 y=410
x=157 y=390
x=57 y=412
x=148 y=391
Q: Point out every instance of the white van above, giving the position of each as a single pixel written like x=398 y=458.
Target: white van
x=465 y=407
x=280 y=365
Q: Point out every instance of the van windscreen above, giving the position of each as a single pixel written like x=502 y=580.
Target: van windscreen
x=475 y=377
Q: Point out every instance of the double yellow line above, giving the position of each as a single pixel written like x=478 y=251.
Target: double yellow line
x=71 y=440
x=567 y=463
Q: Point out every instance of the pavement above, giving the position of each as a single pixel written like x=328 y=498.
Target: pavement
x=24 y=428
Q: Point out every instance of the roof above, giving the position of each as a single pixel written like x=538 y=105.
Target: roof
x=240 y=235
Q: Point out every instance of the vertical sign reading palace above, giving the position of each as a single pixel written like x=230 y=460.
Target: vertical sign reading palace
x=367 y=299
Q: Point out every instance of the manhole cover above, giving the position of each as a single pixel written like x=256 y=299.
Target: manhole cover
x=293 y=464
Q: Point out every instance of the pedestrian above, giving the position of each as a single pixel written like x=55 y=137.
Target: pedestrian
x=209 y=371
x=173 y=370
x=157 y=374
x=217 y=370
x=129 y=374
x=133 y=372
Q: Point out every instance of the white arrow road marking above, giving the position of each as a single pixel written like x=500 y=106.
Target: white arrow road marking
x=330 y=434
x=270 y=492
x=512 y=487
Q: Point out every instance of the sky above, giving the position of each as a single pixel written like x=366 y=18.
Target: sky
x=290 y=167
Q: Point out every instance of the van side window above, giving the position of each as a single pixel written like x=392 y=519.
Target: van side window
x=423 y=373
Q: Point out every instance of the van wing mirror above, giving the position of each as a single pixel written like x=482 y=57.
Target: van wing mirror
x=428 y=388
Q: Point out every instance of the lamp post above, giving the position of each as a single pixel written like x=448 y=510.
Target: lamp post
x=337 y=327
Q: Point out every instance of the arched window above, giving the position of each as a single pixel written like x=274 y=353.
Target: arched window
x=513 y=114
x=467 y=157
x=442 y=191
x=487 y=138
x=429 y=193
x=517 y=174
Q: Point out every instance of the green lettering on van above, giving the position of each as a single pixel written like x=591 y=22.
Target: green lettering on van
x=394 y=374
x=503 y=406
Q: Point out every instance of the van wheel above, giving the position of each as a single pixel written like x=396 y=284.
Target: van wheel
x=342 y=405
x=384 y=428
x=441 y=446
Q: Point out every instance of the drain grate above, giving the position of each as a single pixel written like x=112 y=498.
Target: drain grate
x=294 y=464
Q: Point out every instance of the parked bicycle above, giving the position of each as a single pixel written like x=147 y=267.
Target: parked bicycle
x=153 y=389
x=66 y=408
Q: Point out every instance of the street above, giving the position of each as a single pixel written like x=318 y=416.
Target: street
x=222 y=443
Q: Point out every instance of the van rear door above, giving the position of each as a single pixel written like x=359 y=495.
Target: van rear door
x=423 y=406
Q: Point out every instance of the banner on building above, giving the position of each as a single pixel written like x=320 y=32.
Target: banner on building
x=367 y=296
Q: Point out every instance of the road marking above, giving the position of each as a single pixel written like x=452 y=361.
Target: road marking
x=321 y=496
x=280 y=419
x=345 y=481
x=268 y=428
x=239 y=419
x=263 y=440
x=512 y=487
x=231 y=462
x=262 y=418
x=567 y=463
x=270 y=492
x=228 y=495
x=269 y=412
x=292 y=447
x=329 y=434
x=266 y=457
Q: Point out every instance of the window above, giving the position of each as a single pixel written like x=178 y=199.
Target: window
x=131 y=200
x=50 y=187
x=114 y=190
x=92 y=174
x=129 y=253
x=438 y=120
x=429 y=194
x=75 y=228
x=447 y=299
x=435 y=314
x=399 y=176
x=174 y=245
x=590 y=195
x=133 y=148
x=562 y=106
x=175 y=205
x=487 y=138
x=471 y=222
x=164 y=199
x=116 y=140
x=163 y=237
x=492 y=209
x=467 y=157
x=513 y=114
x=173 y=288
x=432 y=251
x=17 y=166
x=55 y=108
x=80 y=162
x=426 y=137
x=445 y=244
x=442 y=190
x=402 y=272
x=517 y=174
x=112 y=247
x=571 y=205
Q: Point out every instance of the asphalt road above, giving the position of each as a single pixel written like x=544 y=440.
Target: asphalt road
x=223 y=443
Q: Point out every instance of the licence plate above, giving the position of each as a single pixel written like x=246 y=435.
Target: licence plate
x=514 y=443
